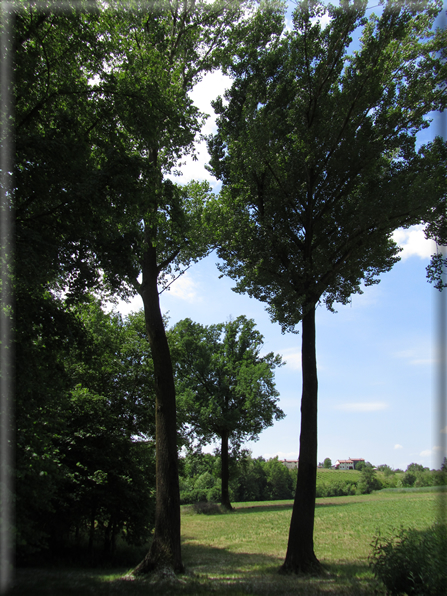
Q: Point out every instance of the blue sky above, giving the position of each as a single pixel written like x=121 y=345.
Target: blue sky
x=377 y=357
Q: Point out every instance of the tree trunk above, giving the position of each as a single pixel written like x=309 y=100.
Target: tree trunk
x=91 y=536
x=165 y=549
x=225 y=473
x=300 y=557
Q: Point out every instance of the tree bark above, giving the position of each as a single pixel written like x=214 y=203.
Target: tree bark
x=165 y=549
x=225 y=473
x=300 y=557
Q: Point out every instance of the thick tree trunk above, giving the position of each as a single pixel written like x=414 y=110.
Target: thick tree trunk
x=165 y=549
x=300 y=557
x=225 y=473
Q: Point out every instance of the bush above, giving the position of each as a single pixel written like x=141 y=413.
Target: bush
x=214 y=495
x=409 y=478
x=412 y=561
x=207 y=508
x=368 y=481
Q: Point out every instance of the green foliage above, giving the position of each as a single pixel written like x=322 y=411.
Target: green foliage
x=336 y=488
x=279 y=481
x=223 y=385
x=408 y=479
x=101 y=117
x=327 y=462
x=311 y=130
x=386 y=469
x=83 y=451
x=368 y=481
x=412 y=561
x=225 y=389
x=251 y=480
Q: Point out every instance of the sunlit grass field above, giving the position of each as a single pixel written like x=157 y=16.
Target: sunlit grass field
x=239 y=553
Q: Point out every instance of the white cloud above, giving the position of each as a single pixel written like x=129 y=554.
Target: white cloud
x=397 y=446
x=435 y=449
x=292 y=356
x=125 y=308
x=414 y=243
x=212 y=85
x=324 y=20
x=362 y=407
x=417 y=356
x=185 y=288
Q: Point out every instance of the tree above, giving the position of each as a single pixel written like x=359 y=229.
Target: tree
x=225 y=387
x=103 y=116
x=415 y=468
x=279 y=480
x=327 y=463
x=386 y=469
x=368 y=481
x=252 y=480
x=316 y=153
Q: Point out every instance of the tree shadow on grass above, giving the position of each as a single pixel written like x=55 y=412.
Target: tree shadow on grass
x=248 y=509
x=208 y=570
x=213 y=560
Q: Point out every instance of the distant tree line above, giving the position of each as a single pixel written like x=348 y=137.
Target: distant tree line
x=257 y=479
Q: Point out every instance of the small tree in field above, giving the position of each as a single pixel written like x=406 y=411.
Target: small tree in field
x=327 y=463
x=368 y=481
x=226 y=390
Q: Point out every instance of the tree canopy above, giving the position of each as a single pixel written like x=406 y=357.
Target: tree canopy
x=316 y=150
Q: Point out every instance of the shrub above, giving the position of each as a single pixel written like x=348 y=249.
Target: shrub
x=409 y=478
x=368 y=481
x=412 y=561
x=207 y=508
x=214 y=495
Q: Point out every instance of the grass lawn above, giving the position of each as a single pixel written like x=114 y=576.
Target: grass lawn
x=239 y=553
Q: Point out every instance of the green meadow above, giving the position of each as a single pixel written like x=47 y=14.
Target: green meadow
x=239 y=553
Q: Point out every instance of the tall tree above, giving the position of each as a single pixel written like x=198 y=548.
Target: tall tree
x=226 y=388
x=186 y=39
x=316 y=152
x=109 y=116
x=103 y=115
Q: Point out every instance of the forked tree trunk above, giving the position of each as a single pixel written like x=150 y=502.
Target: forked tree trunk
x=225 y=473
x=165 y=549
x=300 y=557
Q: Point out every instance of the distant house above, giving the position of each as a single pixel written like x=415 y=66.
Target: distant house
x=356 y=460
x=291 y=464
x=347 y=464
x=344 y=464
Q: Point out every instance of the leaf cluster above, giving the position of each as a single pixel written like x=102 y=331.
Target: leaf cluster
x=316 y=152
x=223 y=383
